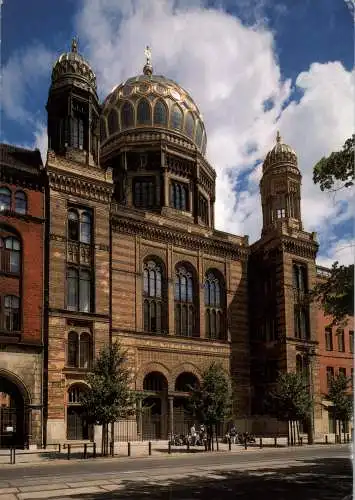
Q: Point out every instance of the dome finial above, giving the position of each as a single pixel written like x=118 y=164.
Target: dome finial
x=74 y=44
x=148 y=68
x=278 y=137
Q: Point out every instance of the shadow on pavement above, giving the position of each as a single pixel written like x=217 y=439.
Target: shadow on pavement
x=319 y=479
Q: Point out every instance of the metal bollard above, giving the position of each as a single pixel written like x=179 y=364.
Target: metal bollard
x=85 y=451
x=10 y=455
x=111 y=449
x=326 y=439
x=169 y=448
x=347 y=438
x=94 y=450
x=150 y=447
x=14 y=455
x=229 y=444
x=245 y=444
x=68 y=451
x=129 y=449
x=288 y=440
x=275 y=442
x=59 y=447
x=261 y=443
x=188 y=445
x=301 y=441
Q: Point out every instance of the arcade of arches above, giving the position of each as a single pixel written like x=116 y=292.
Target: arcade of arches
x=163 y=411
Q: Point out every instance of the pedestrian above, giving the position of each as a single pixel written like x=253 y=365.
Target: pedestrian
x=233 y=434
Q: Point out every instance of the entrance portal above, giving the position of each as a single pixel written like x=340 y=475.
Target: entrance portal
x=154 y=416
x=78 y=427
x=13 y=430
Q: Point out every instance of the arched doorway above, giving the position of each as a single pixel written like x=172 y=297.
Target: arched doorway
x=155 y=406
x=13 y=421
x=78 y=428
x=183 y=417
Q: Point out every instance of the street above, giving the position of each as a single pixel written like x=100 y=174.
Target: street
x=306 y=473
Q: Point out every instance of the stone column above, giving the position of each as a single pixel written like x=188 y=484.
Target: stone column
x=171 y=414
x=34 y=426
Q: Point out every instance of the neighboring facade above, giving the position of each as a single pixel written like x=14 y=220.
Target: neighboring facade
x=22 y=232
x=132 y=255
x=335 y=356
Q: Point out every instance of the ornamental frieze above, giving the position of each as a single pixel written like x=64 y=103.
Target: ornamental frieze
x=79 y=187
x=301 y=249
x=181 y=239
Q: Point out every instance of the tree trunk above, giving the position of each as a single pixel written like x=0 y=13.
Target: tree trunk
x=113 y=436
x=298 y=431
x=217 y=448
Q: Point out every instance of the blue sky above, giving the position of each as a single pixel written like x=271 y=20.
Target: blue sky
x=294 y=35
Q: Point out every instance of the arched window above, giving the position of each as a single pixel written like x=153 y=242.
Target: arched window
x=152 y=297
x=179 y=196
x=85 y=228
x=5 y=199
x=11 y=258
x=112 y=122
x=127 y=115
x=20 y=202
x=73 y=225
x=73 y=349
x=155 y=382
x=160 y=114
x=74 y=394
x=85 y=291
x=185 y=381
x=199 y=133
x=11 y=313
x=214 y=307
x=189 y=124
x=176 y=117
x=144 y=115
x=85 y=351
x=184 y=302
x=77 y=124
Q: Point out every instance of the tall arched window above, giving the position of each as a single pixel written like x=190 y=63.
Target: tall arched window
x=12 y=255
x=199 y=133
x=112 y=122
x=73 y=289
x=85 y=351
x=184 y=302
x=189 y=124
x=77 y=125
x=160 y=114
x=153 y=296
x=5 y=199
x=144 y=115
x=214 y=306
x=179 y=196
x=103 y=130
x=11 y=318
x=20 y=202
x=144 y=192
x=85 y=228
x=176 y=117
x=73 y=349
x=127 y=115
x=73 y=225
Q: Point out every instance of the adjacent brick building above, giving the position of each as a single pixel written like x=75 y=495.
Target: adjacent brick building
x=132 y=254
x=22 y=236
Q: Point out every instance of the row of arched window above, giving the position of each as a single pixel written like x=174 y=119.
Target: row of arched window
x=17 y=203
x=186 y=301
x=79 y=350
x=158 y=115
x=79 y=225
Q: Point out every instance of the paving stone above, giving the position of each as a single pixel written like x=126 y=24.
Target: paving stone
x=46 y=486
x=8 y=490
x=8 y=496
x=112 y=487
x=58 y=493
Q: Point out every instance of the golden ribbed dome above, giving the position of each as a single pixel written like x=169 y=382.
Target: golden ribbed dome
x=280 y=154
x=71 y=67
x=149 y=102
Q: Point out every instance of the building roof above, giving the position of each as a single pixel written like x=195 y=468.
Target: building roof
x=27 y=160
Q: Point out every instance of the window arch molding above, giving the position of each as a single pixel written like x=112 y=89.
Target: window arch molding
x=186 y=295
x=154 y=295
x=215 y=304
x=79 y=349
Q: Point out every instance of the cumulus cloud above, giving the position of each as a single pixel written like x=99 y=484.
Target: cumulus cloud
x=231 y=71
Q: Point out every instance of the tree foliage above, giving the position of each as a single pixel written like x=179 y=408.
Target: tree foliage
x=290 y=399
x=210 y=402
x=336 y=294
x=337 y=168
x=108 y=397
x=338 y=394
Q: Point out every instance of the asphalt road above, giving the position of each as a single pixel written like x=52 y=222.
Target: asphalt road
x=306 y=473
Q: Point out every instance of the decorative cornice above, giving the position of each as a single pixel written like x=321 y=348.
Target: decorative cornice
x=24 y=179
x=24 y=217
x=154 y=232
x=307 y=249
x=89 y=189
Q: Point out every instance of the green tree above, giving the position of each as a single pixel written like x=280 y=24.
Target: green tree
x=290 y=401
x=336 y=294
x=108 y=397
x=342 y=404
x=211 y=401
x=337 y=170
